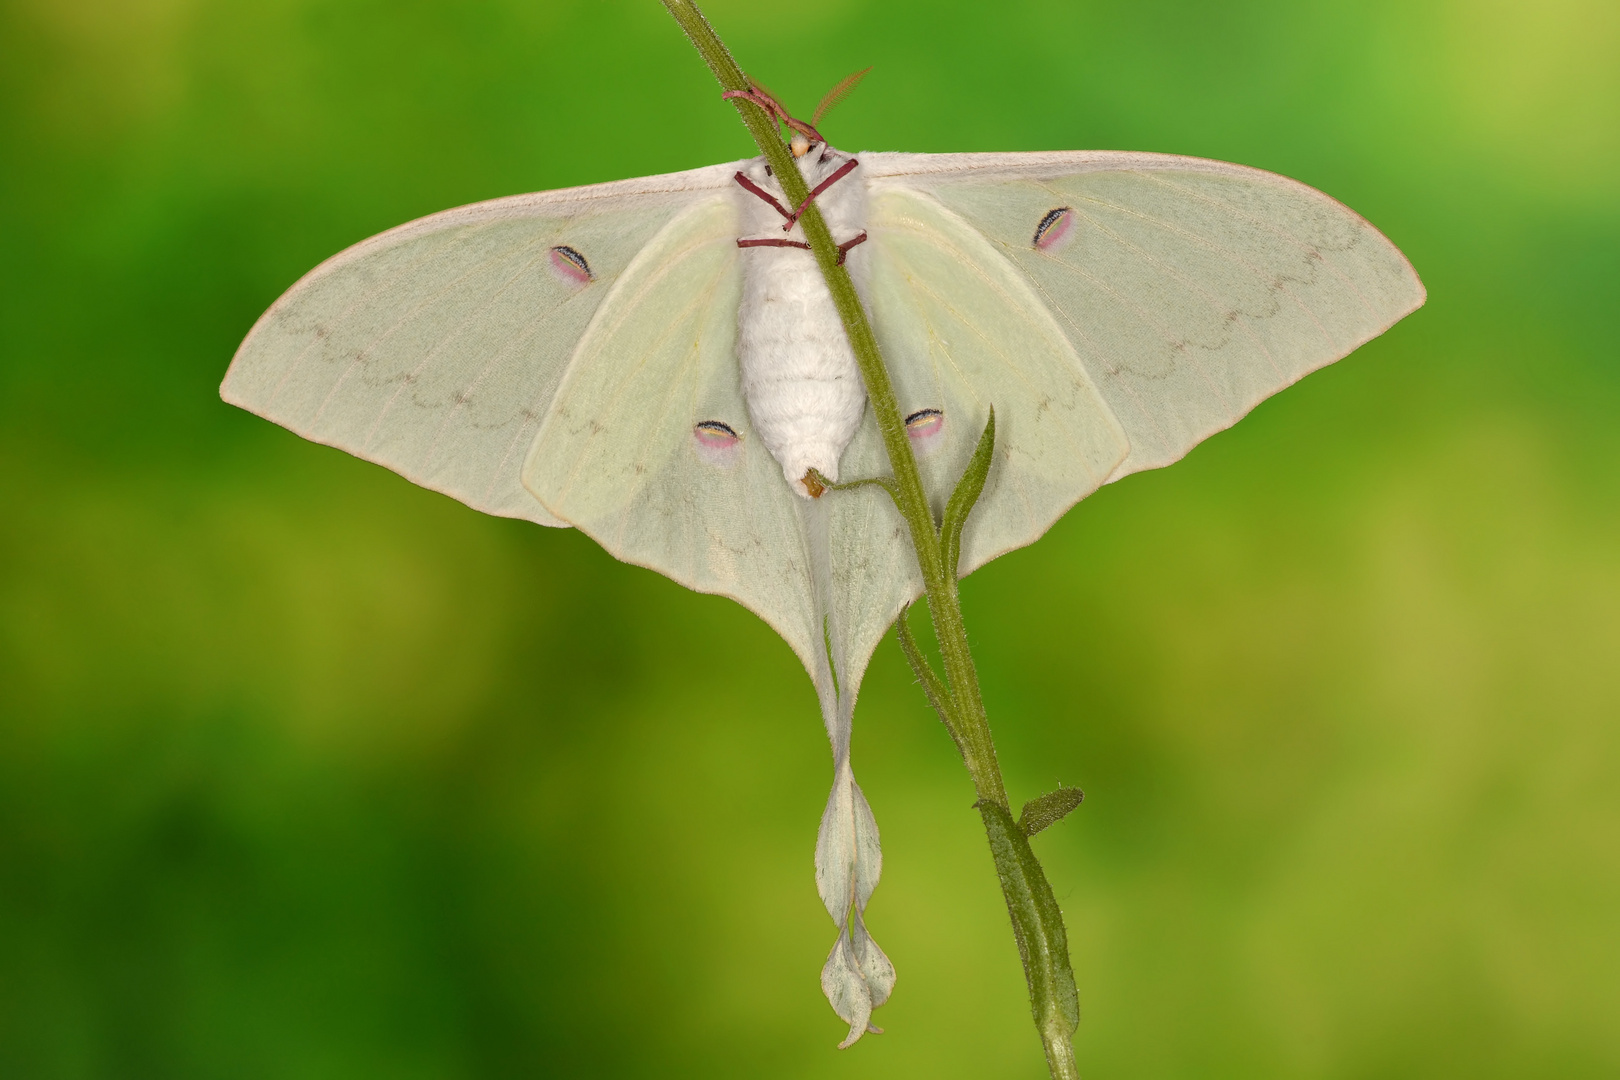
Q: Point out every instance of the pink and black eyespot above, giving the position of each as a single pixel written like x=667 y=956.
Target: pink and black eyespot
x=717 y=443
x=571 y=267
x=1054 y=229
x=924 y=428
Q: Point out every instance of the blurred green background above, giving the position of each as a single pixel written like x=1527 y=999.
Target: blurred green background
x=309 y=773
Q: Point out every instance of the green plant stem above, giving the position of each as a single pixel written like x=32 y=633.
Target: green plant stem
x=943 y=603
x=1029 y=897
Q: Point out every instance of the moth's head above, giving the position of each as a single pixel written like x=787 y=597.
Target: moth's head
x=800 y=144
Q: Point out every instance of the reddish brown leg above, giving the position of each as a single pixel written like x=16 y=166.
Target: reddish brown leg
x=753 y=188
x=758 y=97
x=843 y=249
x=774 y=110
x=841 y=172
x=770 y=242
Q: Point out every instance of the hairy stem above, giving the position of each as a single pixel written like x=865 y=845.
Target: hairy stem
x=1036 y=925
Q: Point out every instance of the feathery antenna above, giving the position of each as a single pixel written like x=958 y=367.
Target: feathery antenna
x=838 y=93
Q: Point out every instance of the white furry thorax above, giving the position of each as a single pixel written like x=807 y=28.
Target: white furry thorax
x=803 y=388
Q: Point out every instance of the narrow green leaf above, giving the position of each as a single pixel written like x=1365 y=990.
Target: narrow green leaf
x=1047 y=810
x=966 y=494
x=939 y=695
x=1037 y=924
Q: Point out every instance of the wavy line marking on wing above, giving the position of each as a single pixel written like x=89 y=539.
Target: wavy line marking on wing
x=1226 y=314
x=359 y=360
x=335 y=265
x=411 y=377
x=1309 y=251
x=1271 y=281
x=1360 y=227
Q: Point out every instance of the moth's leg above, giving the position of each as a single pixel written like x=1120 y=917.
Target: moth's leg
x=753 y=188
x=838 y=174
x=758 y=97
x=775 y=110
x=843 y=249
x=772 y=242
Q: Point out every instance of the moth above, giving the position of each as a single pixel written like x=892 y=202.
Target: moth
x=658 y=363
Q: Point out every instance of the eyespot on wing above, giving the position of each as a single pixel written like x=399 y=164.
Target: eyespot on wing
x=570 y=266
x=1053 y=229
x=717 y=442
x=924 y=428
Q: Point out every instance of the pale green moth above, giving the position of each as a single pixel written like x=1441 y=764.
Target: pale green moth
x=657 y=363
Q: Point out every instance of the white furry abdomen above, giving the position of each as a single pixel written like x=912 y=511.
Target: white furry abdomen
x=799 y=377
